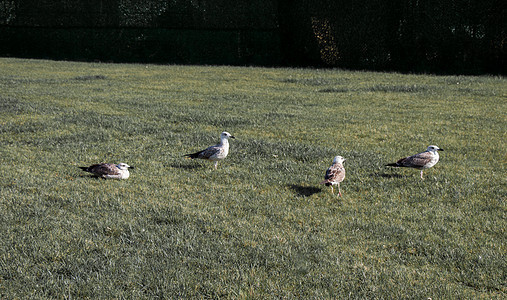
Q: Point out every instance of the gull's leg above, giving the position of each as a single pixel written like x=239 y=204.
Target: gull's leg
x=421 y=175
x=332 y=189
x=339 y=190
x=216 y=164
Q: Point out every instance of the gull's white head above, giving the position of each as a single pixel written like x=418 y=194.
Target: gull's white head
x=433 y=148
x=338 y=159
x=123 y=166
x=226 y=135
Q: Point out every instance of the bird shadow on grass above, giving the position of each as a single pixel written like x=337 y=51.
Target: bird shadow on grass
x=90 y=177
x=304 y=191
x=385 y=175
x=185 y=166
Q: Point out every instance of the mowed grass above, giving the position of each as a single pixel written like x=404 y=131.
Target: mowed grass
x=260 y=226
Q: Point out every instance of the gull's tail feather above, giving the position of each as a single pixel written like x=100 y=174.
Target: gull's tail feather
x=193 y=155
x=393 y=165
x=84 y=168
x=326 y=182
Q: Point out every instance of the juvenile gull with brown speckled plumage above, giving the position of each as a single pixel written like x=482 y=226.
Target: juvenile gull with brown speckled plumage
x=335 y=174
x=109 y=171
x=421 y=161
x=215 y=153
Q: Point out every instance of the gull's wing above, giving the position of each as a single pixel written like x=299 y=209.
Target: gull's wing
x=210 y=152
x=415 y=161
x=207 y=153
x=335 y=173
x=104 y=169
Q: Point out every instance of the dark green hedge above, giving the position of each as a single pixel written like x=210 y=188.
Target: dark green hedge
x=445 y=36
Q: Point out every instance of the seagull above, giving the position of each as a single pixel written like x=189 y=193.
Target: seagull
x=217 y=152
x=421 y=161
x=112 y=171
x=335 y=174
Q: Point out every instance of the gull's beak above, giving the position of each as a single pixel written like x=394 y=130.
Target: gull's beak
x=131 y=167
x=232 y=137
x=440 y=149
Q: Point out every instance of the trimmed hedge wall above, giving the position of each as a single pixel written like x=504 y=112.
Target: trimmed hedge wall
x=444 y=36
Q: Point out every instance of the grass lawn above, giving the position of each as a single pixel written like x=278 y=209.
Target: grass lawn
x=260 y=226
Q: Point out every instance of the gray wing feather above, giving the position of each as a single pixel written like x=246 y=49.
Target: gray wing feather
x=335 y=173
x=416 y=161
x=210 y=151
x=104 y=169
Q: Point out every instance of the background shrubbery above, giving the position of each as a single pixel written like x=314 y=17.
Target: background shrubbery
x=451 y=36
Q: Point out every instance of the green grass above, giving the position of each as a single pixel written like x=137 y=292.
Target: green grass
x=260 y=226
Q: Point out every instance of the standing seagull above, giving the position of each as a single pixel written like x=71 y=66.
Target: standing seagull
x=421 y=161
x=335 y=174
x=112 y=171
x=217 y=152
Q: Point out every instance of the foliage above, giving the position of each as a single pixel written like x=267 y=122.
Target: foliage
x=446 y=36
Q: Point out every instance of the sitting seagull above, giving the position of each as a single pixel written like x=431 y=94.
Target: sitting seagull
x=119 y=171
x=421 y=161
x=335 y=174
x=217 y=152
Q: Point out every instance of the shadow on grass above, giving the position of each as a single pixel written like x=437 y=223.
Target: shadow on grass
x=91 y=177
x=186 y=166
x=304 y=190
x=385 y=175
